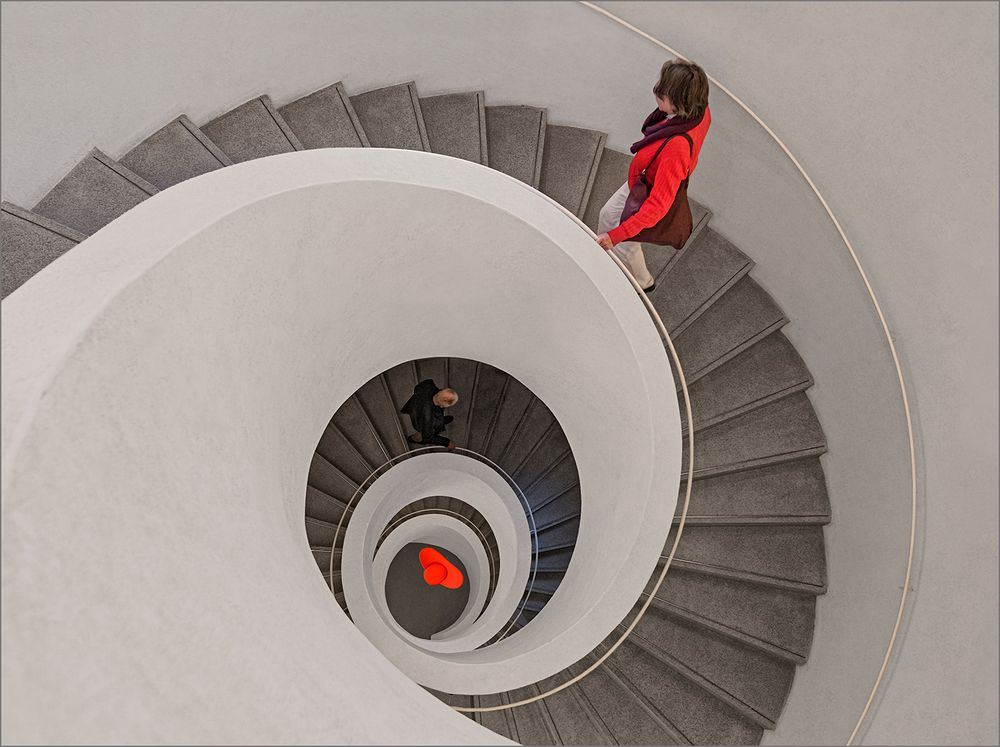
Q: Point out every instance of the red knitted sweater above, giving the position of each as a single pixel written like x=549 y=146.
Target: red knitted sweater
x=672 y=167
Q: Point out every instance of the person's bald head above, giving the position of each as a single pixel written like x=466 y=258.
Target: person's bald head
x=446 y=398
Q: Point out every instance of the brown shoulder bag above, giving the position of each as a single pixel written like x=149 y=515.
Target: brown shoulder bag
x=674 y=228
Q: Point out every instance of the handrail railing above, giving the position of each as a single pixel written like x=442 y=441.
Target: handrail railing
x=385 y=466
x=885 y=331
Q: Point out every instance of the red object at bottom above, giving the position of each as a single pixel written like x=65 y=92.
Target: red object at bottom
x=438 y=570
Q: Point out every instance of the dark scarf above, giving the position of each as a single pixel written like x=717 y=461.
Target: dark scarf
x=658 y=127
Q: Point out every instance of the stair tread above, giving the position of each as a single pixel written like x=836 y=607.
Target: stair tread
x=534 y=723
x=516 y=141
x=323 y=507
x=254 y=129
x=391 y=117
x=793 y=554
x=176 y=152
x=700 y=275
x=30 y=242
x=336 y=449
x=95 y=192
x=696 y=713
x=784 y=428
x=384 y=416
x=462 y=375
x=744 y=314
x=325 y=476
x=569 y=165
x=351 y=419
x=490 y=396
x=612 y=173
x=788 y=490
x=752 y=677
x=768 y=370
x=325 y=119
x=456 y=125
x=777 y=620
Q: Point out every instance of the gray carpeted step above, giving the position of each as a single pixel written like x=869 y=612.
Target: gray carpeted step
x=517 y=406
x=516 y=141
x=561 y=506
x=575 y=720
x=325 y=119
x=490 y=400
x=535 y=427
x=781 y=431
x=323 y=507
x=695 y=713
x=700 y=276
x=554 y=560
x=391 y=117
x=629 y=719
x=383 y=414
x=435 y=369
x=401 y=380
x=785 y=557
x=353 y=422
x=753 y=682
x=252 y=130
x=463 y=376
x=500 y=722
x=612 y=172
x=327 y=477
x=548 y=467
x=787 y=493
x=322 y=556
x=744 y=315
x=767 y=371
x=95 y=192
x=534 y=723
x=321 y=533
x=337 y=449
x=456 y=125
x=778 y=622
x=30 y=242
x=560 y=535
x=569 y=165
x=174 y=153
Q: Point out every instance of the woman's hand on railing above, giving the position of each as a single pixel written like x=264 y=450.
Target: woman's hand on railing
x=605 y=241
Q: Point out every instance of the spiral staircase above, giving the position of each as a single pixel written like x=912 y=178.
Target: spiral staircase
x=713 y=658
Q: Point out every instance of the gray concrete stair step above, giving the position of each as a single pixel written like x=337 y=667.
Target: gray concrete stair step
x=560 y=506
x=785 y=557
x=353 y=422
x=699 y=277
x=254 y=129
x=391 y=117
x=534 y=722
x=327 y=477
x=518 y=404
x=95 y=192
x=383 y=413
x=321 y=533
x=628 y=718
x=697 y=714
x=463 y=376
x=747 y=679
x=456 y=125
x=559 y=535
x=322 y=556
x=787 y=493
x=435 y=369
x=744 y=315
x=516 y=141
x=538 y=430
x=30 y=242
x=176 y=152
x=320 y=505
x=612 y=173
x=767 y=371
x=325 y=119
x=500 y=722
x=776 y=621
x=570 y=163
x=549 y=470
x=489 y=398
x=575 y=720
x=782 y=431
x=339 y=451
x=554 y=560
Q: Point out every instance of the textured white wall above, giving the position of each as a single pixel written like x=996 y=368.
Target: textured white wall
x=890 y=106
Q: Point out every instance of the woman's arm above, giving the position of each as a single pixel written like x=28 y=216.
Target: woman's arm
x=673 y=167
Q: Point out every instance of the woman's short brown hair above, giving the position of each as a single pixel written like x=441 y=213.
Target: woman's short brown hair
x=686 y=85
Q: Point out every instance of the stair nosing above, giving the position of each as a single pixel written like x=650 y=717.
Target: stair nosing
x=37 y=219
x=733 y=467
x=691 y=318
x=292 y=138
x=693 y=376
x=750 y=406
x=205 y=141
x=776 y=582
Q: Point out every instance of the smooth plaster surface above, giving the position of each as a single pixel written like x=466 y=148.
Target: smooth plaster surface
x=890 y=106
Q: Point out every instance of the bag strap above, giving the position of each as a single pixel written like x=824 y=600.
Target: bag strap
x=642 y=174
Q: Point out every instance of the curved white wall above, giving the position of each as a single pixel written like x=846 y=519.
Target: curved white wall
x=857 y=91
x=165 y=383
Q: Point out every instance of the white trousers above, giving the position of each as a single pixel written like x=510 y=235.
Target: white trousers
x=629 y=252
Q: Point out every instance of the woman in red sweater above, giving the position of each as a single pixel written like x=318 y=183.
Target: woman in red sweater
x=681 y=118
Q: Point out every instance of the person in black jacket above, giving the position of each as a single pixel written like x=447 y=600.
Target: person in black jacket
x=426 y=410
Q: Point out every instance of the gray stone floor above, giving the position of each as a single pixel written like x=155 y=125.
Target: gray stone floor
x=422 y=610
